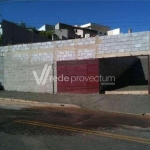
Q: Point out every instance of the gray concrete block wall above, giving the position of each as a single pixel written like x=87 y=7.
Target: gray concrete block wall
x=129 y=42
x=66 y=55
x=19 y=72
x=21 y=60
x=86 y=54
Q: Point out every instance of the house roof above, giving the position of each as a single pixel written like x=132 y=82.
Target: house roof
x=65 y=26
x=93 y=24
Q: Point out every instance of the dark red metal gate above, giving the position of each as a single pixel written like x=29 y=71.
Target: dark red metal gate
x=78 y=76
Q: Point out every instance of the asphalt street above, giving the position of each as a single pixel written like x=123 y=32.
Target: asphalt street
x=72 y=129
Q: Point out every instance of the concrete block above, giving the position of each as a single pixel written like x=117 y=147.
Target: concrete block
x=128 y=50
x=82 y=54
x=117 y=47
x=108 y=52
x=124 y=46
x=71 y=44
x=108 y=40
x=145 y=44
x=26 y=48
x=126 y=43
x=65 y=41
x=137 y=45
x=101 y=37
x=86 y=57
x=89 y=54
x=46 y=46
x=124 y=39
x=108 y=44
x=33 y=44
x=50 y=43
x=66 y=44
x=80 y=43
x=91 y=50
x=80 y=57
x=101 y=52
x=145 y=41
x=120 y=36
x=83 y=40
x=64 y=55
x=90 y=39
x=139 y=38
x=135 y=34
x=86 y=42
x=86 y=50
x=51 y=46
x=130 y=38
x=133 y=42
x=58 y=42
x=70 y=41
x=92 y=42
x=114 y=50
x=66 y=52
x=38 y=44
x=121 y=50
x=15 y=46
x=104 y=48
x=60 y=45
x=142 y=48
x=127 y=35
x=142 y=33
x=43 y=43
x=134 y=49
x=70 y=55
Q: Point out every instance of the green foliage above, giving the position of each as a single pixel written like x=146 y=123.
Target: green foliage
x=22 y=24
x=48 y=34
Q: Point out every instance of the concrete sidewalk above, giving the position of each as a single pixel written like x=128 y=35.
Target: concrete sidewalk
x=136 y=104
x=17 y=104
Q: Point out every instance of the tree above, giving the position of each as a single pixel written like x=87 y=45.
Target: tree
x=48 y=34
x=22 y=24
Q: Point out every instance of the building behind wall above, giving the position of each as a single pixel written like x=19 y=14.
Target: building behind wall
x=46 y=27
x=101 y=29
x=65 y=31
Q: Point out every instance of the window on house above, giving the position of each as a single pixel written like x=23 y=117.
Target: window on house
x=105 y=33
x=100 y=33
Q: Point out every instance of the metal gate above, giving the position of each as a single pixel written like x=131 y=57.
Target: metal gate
x=78 y=76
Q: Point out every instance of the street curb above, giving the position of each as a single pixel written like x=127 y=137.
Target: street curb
x=127 y=92
x=40 y=103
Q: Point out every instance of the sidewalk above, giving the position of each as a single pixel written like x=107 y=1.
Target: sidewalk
x=17 y=104
x=136 y=104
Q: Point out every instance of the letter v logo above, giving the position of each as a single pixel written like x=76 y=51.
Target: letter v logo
x=44 y=75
